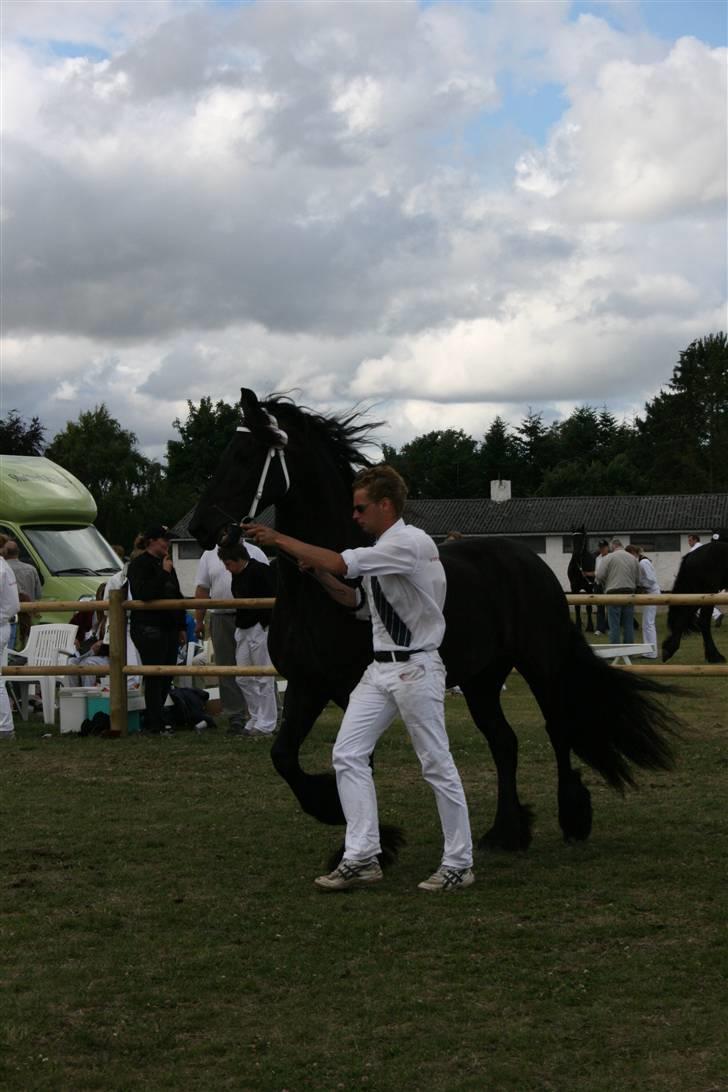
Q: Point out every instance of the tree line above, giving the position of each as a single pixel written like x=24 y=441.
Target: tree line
x=678 y=445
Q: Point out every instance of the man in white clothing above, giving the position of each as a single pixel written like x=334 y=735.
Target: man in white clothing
x=213 y=581
x=9 y=604
x=405 y=584
x=649 y=585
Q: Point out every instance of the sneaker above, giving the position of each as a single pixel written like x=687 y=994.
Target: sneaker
x=597 y=633
x=351 y=874
x=236 y=730
x=448 y=879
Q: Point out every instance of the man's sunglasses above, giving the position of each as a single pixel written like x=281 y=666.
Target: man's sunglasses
x=362 y=507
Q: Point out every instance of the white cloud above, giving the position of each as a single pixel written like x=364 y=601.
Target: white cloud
x=315 y=197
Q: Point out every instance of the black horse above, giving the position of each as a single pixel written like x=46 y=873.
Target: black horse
x=580 y=575
x=703 y=571
x=304 y=463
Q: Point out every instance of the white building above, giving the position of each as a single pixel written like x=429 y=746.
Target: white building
x=660 y=524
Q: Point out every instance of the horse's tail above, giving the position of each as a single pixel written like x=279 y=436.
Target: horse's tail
x=616 y=720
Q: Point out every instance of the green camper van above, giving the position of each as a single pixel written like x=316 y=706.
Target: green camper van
x=50 y=515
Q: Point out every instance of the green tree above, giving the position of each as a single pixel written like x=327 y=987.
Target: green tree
x=104 y=456
x=537 y=448
x=499 y=455
x=683 y=437
x=18 y=437
x=443 y=463
x=193 y=458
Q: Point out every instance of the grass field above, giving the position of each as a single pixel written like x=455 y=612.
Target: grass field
x=160 y=929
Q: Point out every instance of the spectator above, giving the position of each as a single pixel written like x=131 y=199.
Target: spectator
x=619 y=574
x=213 y=581
x=693 y=543
x=602 y=551
x=157 y=634
x=648 y=584
x=252 y=579
x=92 y=648
x=9 y=604
x=29 y=591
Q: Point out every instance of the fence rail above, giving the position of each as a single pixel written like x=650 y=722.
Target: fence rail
x=117 y=607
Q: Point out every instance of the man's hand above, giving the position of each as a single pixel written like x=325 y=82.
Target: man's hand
x=259 y=533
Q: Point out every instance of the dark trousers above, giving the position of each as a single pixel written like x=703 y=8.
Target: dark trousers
x=155 y=646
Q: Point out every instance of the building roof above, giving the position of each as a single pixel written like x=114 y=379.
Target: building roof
x=560 y=515
x=700 y=512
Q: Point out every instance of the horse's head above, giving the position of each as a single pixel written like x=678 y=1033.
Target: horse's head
x=252 y=474
x=578 y=538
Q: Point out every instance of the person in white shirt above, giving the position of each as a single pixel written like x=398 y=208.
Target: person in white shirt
x=405 y=584
x=694 y=543
x=9 y=604
x=649 y=585
x=213 y=581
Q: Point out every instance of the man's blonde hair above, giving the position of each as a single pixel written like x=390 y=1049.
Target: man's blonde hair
x=382 y=482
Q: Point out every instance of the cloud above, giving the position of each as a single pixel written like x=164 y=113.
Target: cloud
x=333 y=199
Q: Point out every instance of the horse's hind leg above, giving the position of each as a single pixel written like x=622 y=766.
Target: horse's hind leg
x=511 y=827
x=712 y=655
x=574 y=799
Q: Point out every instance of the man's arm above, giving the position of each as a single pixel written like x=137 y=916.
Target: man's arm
x=343 y=594
x=314 y=557
x=201 y=592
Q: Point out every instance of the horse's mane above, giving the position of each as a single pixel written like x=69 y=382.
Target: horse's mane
x=343 y=436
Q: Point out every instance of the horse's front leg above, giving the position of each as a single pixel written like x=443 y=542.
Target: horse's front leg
x=511 y=827
x=316 y=793
x=712 y=655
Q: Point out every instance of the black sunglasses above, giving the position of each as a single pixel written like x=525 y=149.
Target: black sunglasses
x=362 y=507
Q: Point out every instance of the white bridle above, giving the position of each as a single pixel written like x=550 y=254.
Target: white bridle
x=273 y=451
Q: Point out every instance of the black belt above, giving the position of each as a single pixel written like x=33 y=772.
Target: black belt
x=397 y=657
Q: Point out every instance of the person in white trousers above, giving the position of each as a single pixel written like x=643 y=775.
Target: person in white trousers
x=405 y=584
x=9 y=605
x=649 y=586
x=252 y=579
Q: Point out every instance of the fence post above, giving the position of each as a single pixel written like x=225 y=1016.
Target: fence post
x=117 y=660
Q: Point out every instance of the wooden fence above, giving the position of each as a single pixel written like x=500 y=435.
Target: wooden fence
x=117 y=606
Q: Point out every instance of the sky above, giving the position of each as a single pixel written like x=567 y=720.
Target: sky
x=437 y=212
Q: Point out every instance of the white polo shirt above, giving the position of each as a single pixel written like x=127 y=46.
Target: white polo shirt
x=411 y=576
x=212 y=574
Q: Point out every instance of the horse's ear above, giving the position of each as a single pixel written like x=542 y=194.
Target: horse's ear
x=248 y=402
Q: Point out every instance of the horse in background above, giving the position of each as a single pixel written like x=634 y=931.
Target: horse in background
x=304 y=463
x=580 y=575
x=702 y=571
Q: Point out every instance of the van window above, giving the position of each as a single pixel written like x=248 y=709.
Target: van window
x=69 y=551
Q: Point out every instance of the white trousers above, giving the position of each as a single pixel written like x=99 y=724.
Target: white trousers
x=87 y=660
x=6 y=713
x=259 y=691
x=649 y=630
x=416 y=690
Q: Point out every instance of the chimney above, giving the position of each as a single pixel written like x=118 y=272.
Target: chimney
x=500 y=491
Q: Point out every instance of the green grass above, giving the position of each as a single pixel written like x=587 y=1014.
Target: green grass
x=160 y=929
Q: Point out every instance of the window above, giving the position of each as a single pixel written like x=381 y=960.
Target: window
x=73 y=550
x=652 y=543
x=189 y=550
x=592 y=542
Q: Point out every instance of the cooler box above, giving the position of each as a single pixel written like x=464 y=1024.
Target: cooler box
x=72 y=706
x=134 y=703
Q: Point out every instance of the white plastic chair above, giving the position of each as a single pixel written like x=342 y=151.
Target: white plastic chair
x=47 y=645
